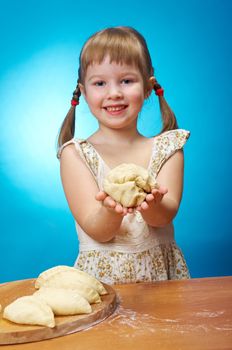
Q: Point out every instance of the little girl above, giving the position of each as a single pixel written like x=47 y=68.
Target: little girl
x=118 y=244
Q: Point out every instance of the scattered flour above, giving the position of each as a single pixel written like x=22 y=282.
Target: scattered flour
x=123 y=321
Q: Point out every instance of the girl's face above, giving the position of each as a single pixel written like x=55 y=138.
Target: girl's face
x=114 y=93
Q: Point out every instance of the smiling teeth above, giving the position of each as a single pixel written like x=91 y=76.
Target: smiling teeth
x=114 y=109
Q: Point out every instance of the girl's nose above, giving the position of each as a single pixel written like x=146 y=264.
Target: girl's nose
x=114 y=91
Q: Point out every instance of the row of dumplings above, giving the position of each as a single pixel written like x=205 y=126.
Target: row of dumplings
x=62 y=290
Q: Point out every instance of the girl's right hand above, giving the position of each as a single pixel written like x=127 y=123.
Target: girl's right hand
x=111 y=204
x=155 y=196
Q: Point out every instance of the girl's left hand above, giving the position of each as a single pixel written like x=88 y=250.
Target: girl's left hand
x=111 y=204
x=155 y=196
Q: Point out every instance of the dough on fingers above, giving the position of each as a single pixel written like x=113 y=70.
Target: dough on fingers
x=129 y=184
x=63 y=301
x=29 y=310
x=79 y=275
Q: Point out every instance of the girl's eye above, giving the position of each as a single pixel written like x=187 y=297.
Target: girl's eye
x=127 y=81
x=99 y=83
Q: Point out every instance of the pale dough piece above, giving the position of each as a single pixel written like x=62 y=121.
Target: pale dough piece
x=0 y=307
x=79 y=275
x=69 y=280
x=29 y=310
x=64 y=301
x=129 y=184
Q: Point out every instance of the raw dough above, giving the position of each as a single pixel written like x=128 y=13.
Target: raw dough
x=29 y=310
x=79 y=275
x=129 y=184
x=64 y=301
x=69 y=280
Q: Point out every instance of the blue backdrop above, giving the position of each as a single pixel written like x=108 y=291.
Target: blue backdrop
x=190 y=44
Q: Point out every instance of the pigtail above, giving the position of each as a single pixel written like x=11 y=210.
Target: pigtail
x=168 y=117
x=67 y=129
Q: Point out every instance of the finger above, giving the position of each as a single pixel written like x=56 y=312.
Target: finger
x=100 y=196
x=109 y=202
x=149 y=197
x=144 y=205
x=162 y=190
x=119 y=208
x=125 y=211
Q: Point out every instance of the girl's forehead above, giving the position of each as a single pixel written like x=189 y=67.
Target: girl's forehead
x=108 y=66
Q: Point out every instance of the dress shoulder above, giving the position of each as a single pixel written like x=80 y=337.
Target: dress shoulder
x=90 y=155
x=60 y=150
x=165 y=145
x=86 y=151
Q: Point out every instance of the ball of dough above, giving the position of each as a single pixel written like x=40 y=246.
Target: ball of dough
x=128 y=184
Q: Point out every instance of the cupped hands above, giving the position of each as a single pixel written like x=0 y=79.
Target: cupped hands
x=154 y=197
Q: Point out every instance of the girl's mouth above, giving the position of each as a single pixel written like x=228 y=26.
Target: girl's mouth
x=115 y=109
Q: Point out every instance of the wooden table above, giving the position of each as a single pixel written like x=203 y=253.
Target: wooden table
x=193 y=314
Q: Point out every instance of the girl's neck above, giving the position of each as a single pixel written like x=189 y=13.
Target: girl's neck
x=115 y=136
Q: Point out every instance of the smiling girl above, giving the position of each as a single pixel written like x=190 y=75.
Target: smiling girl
x=119 y=244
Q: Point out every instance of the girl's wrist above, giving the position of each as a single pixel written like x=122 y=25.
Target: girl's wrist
x=161 y=213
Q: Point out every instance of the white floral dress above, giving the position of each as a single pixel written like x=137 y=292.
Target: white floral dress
x=138 y=252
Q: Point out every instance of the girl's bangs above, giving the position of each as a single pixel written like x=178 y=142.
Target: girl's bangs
x=120 y=50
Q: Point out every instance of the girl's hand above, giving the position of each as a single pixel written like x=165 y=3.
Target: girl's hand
x=111 y=204
x=155 y=196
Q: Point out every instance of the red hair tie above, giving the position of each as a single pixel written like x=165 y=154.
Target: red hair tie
x=74 y=102
x=159 y=92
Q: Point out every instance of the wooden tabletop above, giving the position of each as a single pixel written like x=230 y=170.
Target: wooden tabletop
x=188 y=314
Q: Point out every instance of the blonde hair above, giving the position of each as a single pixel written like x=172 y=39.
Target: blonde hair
x=123 y=45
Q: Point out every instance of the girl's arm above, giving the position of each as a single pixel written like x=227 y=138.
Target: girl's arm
x=96 y=218
x=160 y=208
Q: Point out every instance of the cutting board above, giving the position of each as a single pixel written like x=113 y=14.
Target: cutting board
x=12 y=333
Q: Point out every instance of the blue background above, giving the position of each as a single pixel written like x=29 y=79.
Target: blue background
x=190 y=44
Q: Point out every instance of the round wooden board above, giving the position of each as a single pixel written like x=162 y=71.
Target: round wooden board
x=12 y=333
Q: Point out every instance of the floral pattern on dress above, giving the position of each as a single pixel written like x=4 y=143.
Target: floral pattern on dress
x=90 y=155
x=165 y=145
x=162 y=262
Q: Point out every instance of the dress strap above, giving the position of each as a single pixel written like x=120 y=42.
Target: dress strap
x=165 y=145
x=90 y=155
x=72 y=141
x=86 y=152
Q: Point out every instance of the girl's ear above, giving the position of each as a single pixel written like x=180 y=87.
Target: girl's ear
x=151 y=83
x=82 y=89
